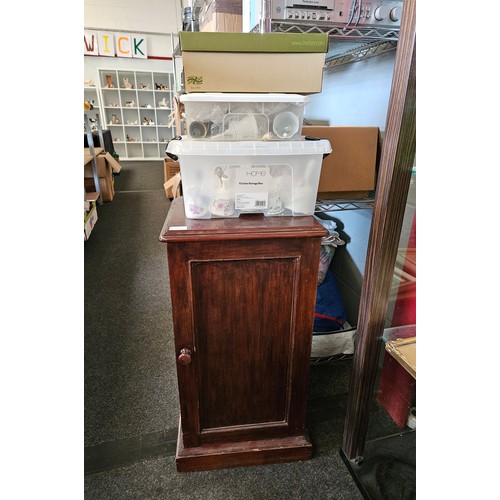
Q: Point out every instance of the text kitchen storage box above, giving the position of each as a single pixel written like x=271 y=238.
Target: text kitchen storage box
x=226 y=179
x=244 y=117
x=253 y=62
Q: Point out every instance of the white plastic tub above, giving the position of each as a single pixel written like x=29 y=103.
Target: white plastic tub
x=244 y=117
x=226 y=179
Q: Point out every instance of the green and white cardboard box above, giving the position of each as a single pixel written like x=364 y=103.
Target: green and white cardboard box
x=253 y=62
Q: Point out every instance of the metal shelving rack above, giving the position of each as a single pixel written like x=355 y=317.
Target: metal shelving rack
x=323 y=206
x=336 y=30
x=370 y=41
x=359 y=53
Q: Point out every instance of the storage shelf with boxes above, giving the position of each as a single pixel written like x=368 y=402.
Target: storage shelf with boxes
x=106 y=166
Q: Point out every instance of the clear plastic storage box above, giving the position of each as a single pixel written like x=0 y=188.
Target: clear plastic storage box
x=244 y=117
x=226 y=179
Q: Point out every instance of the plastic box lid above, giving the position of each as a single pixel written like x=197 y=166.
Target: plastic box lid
x=235 y=97
x=248 y=148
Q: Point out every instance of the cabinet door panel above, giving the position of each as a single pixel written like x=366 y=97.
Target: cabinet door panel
x=243 y=334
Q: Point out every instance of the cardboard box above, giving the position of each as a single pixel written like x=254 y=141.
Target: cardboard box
x=102 y=167
x=253 y=62
x=221 y=16
x=106 y=165
x=223 y=22
x=89 y=220
x=171 y=169
x=350 y=169
x=113 y=162
x=106 y=187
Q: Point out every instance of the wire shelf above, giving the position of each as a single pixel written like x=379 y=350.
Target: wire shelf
x=337 y=30
x=341 y=205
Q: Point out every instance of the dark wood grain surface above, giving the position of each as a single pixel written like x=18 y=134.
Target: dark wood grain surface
x=396 y=163
x=243 y=297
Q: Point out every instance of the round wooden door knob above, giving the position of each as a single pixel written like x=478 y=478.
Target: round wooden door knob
x=184 y=357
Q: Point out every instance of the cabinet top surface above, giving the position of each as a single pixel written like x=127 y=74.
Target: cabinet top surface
x=248 y=226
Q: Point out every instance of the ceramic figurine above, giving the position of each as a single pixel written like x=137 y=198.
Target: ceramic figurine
x=162 y=103
x=130 y=104
x=109 y=82
x=144 y=86
x=115 y=120
x=89 y=83
x=126 y=83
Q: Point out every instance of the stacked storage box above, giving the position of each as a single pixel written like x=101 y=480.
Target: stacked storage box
x=244 y=152
x=221 y=15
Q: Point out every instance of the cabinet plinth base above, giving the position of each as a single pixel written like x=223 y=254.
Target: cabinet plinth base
x=241 y=454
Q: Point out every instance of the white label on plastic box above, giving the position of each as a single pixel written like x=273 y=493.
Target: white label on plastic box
x=252 y=187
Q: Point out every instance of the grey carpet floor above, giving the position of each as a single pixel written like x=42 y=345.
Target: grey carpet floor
x=131 y=403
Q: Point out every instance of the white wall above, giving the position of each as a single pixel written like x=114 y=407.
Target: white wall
x=156 y=19
x=160 y=16
x=355 y=94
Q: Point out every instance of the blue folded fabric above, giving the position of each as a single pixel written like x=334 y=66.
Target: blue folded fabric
x=330 y=313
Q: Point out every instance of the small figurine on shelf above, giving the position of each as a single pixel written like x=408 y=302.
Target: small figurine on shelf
x=115 y=120
x=113 y=105
x=144 y=86
x=147 y=121
x=130 y=104
x=160 y=86
x=162 y=103
x=88 y=104
x=127 y=84
x=89 y=83
x=109 y=82
x=93 y=124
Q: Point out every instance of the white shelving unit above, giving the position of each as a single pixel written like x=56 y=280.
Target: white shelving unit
x=91 y=96
x=135 y=107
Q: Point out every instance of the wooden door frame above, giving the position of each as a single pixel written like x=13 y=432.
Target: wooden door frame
x=396 y=163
